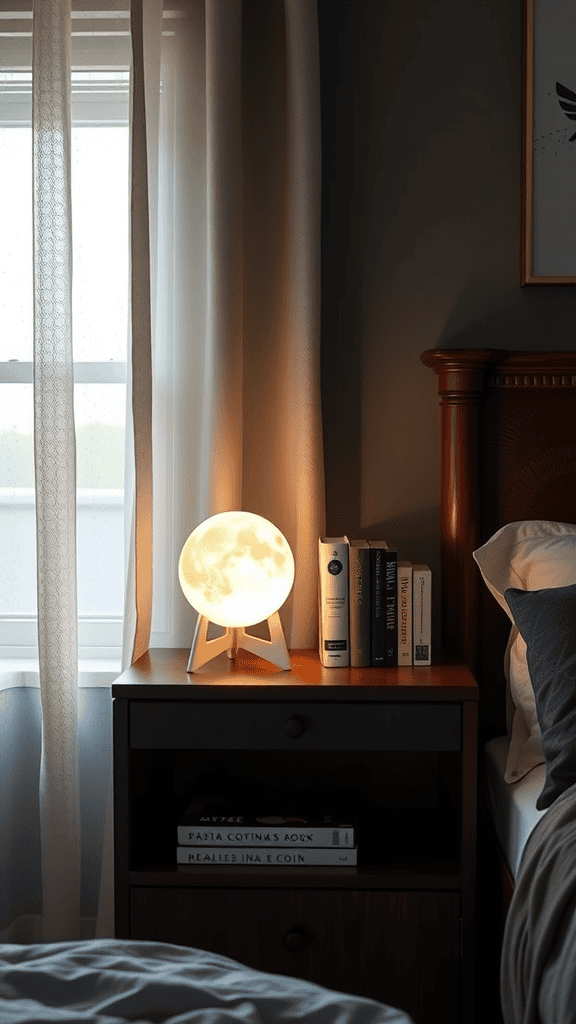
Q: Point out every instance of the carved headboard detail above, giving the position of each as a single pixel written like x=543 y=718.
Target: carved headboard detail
x=508 y=453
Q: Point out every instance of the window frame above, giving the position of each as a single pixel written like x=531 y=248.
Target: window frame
x=100 y=638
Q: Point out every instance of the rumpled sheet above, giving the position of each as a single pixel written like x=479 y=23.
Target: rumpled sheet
x=111 y=981
x=538 y=963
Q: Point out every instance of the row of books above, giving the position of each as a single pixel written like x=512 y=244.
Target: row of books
x=210 y=835
x=373 y=609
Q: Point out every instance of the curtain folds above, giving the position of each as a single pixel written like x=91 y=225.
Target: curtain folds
x=303 y=413
x=223 y=392
x=222 y=427
x=55 y=469
x=145 y=21
x=240 y=117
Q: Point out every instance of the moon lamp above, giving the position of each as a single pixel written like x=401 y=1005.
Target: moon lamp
x=237 y=569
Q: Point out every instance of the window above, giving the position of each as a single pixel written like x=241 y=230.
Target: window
x=100 y=161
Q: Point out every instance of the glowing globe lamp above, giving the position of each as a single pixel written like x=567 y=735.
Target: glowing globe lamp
x=237 y=569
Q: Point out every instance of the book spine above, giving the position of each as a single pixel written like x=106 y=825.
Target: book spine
x=422 y=614
x=404 y=613
x=391 y=583
x=336 y=838
x=359 y=587
x=377 y=603
x=259 y=856
x=334 y=632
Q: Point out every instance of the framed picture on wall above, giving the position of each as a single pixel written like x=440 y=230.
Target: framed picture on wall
x=549 y=185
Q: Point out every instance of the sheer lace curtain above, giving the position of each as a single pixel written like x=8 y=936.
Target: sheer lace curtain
x=55 y=468
x=224 y=392
x=55 y=722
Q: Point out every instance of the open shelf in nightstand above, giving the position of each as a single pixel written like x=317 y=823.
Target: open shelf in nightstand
x=406 y=804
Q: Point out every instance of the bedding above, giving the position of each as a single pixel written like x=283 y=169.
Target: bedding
x=527 y=555
x=111 y=981
x=539 y=949
x=547 y=621
x=512 y=806
x=537 y=975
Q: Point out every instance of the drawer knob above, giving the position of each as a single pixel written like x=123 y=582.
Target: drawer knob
x=295 y=727
x=295 y=940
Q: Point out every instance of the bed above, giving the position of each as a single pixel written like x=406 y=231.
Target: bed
x=111 y=981
x=508 y=505
x=508 y=459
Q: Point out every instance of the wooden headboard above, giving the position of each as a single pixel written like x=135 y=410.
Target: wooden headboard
x=508 y=453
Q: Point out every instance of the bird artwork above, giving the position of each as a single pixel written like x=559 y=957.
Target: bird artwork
x=568 y=104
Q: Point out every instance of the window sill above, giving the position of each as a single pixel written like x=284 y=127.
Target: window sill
x=21 y=672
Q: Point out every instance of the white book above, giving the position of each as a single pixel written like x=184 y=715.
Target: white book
x=241 y=830
x=422 y=614
x=333 y=610
x=264 y=856
x=404 y=613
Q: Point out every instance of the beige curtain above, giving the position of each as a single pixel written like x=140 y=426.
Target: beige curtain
x=146 y=29
x=234 y=177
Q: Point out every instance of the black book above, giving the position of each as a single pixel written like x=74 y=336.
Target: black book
x=378 y=638
x=391 y=578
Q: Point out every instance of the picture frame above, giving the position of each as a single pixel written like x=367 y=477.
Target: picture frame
x=549 y=143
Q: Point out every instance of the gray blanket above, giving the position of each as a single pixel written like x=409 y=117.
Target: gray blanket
x=538 y=966
x=110 y=981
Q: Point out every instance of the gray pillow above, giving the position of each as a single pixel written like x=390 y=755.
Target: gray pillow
x=547 y=621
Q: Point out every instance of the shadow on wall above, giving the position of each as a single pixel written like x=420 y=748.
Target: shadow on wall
x=531 y=318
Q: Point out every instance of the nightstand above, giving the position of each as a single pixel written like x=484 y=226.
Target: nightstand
x=394 y=747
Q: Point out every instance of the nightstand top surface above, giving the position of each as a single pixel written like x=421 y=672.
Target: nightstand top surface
x=161 y=674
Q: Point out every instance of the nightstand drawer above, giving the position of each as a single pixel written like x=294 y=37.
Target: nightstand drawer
x=399 y=947
x=187 y=725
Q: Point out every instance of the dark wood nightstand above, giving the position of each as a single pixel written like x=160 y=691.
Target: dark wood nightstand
x=396 y=747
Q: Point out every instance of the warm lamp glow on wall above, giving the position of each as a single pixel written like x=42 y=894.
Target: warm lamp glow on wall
x=237 y=569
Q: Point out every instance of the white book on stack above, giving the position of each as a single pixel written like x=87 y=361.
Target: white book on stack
x=333 y=601
x=422 y=614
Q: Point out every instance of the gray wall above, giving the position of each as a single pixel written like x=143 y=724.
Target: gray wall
x=421 y=124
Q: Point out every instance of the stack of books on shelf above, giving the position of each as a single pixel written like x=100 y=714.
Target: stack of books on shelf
x=212 y=835
x=373 y=609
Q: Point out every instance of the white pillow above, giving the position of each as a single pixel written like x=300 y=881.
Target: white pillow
x=531 y=555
